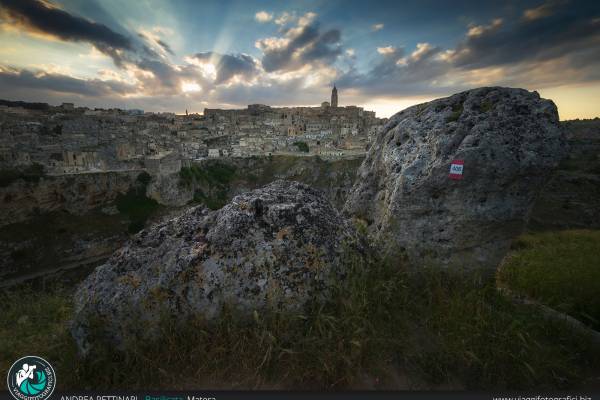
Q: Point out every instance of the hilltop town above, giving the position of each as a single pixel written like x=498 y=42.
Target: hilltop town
x=67 y=139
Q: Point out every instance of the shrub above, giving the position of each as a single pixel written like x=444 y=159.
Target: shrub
x=302 y=146
x=137 y=207
x=457 y=110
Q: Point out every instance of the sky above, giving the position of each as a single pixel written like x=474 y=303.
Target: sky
x=382 y=55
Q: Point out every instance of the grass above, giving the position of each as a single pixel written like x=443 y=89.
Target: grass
x=431 y=329
x=560 y=269
x=35 y=323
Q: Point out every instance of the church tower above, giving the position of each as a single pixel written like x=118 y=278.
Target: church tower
x=334 y=99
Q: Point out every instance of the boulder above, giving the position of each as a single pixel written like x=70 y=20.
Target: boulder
x=276 y=247
x=509 y=140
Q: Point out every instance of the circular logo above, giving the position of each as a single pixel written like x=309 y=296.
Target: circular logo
x=31 y=378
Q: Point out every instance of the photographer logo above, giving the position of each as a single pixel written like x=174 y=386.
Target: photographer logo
x=31 y=378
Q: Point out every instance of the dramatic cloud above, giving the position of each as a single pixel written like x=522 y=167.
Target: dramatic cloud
x=543 y=44
x=540 y=36
x=228 y=66
x=301 y=45
x=13 y=78
x=551 y=44
x=395 y=71
x=44 y=18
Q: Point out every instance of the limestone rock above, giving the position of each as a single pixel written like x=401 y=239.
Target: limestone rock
x=509 y=140
x=76 y=193
x=167 y=190
x=275 y=247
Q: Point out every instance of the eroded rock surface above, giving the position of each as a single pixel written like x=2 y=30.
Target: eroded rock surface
x=509 y=140
x=278 y=246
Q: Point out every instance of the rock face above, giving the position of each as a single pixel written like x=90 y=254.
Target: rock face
x=509 y=140
x=76 y=193
x=167 y=190
x=275 y=247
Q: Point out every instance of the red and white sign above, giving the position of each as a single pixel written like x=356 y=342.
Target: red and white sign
x=456 y=169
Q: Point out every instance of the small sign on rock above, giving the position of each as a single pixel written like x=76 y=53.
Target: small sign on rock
x=456 y=169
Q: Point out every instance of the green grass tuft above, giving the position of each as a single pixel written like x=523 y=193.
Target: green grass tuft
x=560 y=269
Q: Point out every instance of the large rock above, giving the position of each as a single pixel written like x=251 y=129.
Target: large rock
x=509 y=140
x=275 y=247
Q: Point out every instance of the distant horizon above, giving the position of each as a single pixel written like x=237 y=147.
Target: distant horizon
x=201 y=112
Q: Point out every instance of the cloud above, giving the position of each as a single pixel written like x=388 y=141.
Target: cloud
x=478 y=30
x=398 y=74
x=387 y=50
x=542 y=11
x=42 y=17
x=284 y=18
x=165 y=46
x=228 y=66
x=377 y=27
x=128 y=52
x=25 y=79
x=535 y=38
x=553 y=44
x=263 y=16
x=300 y=45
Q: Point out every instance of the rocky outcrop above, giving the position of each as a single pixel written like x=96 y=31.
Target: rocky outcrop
x=168 y=190
x=509 y=141
x=276 y=247
x=75 y=193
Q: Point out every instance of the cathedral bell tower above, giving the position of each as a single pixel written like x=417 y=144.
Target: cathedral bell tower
x=334 y=99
